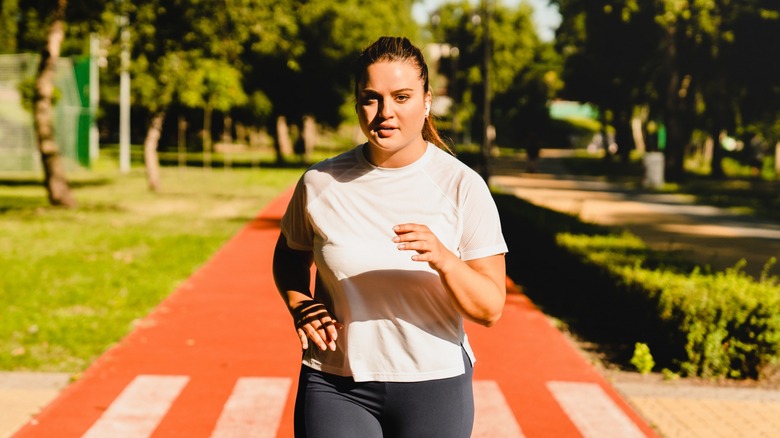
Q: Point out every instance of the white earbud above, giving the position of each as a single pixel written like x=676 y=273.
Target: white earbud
x=427 y=109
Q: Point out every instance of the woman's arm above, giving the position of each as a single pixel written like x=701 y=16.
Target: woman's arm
x=477 y=287
x=292 y=275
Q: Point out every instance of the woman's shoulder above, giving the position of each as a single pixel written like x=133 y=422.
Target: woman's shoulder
x=449 y=166
x=338 y=167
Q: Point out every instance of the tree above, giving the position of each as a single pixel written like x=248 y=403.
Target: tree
x=520 y=67
x=158 y=71
x=55 y=181
x=42 y=27
x=605 y=48
x=682 y=60
x=314 y=80
x=213 y=85
x=192 y=53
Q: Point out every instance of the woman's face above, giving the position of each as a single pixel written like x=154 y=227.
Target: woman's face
x=391 y=108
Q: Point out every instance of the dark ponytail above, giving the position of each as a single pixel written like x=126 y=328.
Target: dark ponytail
x=398 y=49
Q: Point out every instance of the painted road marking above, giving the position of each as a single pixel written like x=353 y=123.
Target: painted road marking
x=137 y=411
x=256 y=404
x=493 y=417
x=592 y=411
x=254 y=408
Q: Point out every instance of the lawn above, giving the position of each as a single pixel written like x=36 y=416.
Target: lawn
x=75 y=281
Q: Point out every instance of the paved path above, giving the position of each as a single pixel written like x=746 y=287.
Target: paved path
x=219 y=358
x=707 y=235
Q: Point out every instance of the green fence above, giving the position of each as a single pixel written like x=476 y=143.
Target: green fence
x=18 y=148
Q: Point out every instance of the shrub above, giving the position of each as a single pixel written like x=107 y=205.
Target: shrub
x=642 y=359
x=712 y=324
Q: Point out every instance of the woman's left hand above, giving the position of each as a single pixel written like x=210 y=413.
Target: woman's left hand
x=417 y=237
x=477 y=286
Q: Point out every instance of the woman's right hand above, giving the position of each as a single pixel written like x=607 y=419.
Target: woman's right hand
x=313 y=321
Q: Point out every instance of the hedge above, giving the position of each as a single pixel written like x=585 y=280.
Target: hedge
x=611 y=289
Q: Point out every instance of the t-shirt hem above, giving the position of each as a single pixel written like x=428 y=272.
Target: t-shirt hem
x=388 y=377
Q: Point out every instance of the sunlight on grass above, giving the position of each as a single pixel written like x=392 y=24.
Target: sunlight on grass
x=75 y=281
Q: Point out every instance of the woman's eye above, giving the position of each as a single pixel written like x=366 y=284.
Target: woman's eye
x=402 y=97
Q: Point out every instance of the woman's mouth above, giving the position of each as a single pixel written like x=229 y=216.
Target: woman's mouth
x=384 y=131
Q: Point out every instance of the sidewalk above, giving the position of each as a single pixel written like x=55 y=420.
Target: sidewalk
x=219 y=358
x=704 y=234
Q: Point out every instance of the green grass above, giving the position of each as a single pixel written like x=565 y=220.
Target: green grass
x=76 y=280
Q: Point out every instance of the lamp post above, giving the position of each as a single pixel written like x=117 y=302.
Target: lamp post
x=124 y=99
x=487 y=132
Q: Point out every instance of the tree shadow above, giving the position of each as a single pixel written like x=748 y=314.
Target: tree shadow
x=37 y=182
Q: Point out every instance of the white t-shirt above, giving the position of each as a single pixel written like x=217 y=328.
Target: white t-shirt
x=400 y=324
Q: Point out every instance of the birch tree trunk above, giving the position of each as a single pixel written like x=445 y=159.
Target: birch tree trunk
x=43 y=114
x=151 y=160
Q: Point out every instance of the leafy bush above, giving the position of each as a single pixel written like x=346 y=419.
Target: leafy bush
x=642 y=359
x=712 y=324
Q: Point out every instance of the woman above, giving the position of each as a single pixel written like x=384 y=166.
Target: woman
x=407 y=241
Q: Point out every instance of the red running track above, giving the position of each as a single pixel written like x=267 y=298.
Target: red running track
x=226 y=323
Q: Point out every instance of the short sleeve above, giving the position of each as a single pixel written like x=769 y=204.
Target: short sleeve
x=295 y=223
x=482 y=236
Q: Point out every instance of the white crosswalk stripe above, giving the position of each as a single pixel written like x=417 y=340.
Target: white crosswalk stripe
x=493 y=417
x=592 y=411
x=254 y=409
x=137 y=411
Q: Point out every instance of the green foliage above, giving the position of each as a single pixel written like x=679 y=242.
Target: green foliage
x=27 y=92
x=214 y=84
x=616 y=290
x=718 y=324
x=680 y=61
x=9 y=9
x=642 y=360
x=523 y=71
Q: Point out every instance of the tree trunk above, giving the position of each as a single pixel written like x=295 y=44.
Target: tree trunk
x=720 y=125
x=284 y=147
x=54 y=170
x=718 y=153
x=777 y=159
x=182 y=145
x=207 y=136
x=624 y=137
x=151 y=160
x=309 y=137
x=677 y=114
x=227 y=129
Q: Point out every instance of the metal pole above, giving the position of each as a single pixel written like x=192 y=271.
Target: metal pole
x=487 y=131
x=124 y=101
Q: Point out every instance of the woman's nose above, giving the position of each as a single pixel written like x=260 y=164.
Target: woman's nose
x=386 y=110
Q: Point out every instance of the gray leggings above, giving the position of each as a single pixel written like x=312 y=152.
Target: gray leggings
x=329 y=406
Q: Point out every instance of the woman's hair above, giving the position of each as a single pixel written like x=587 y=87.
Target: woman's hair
x=398 y=49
